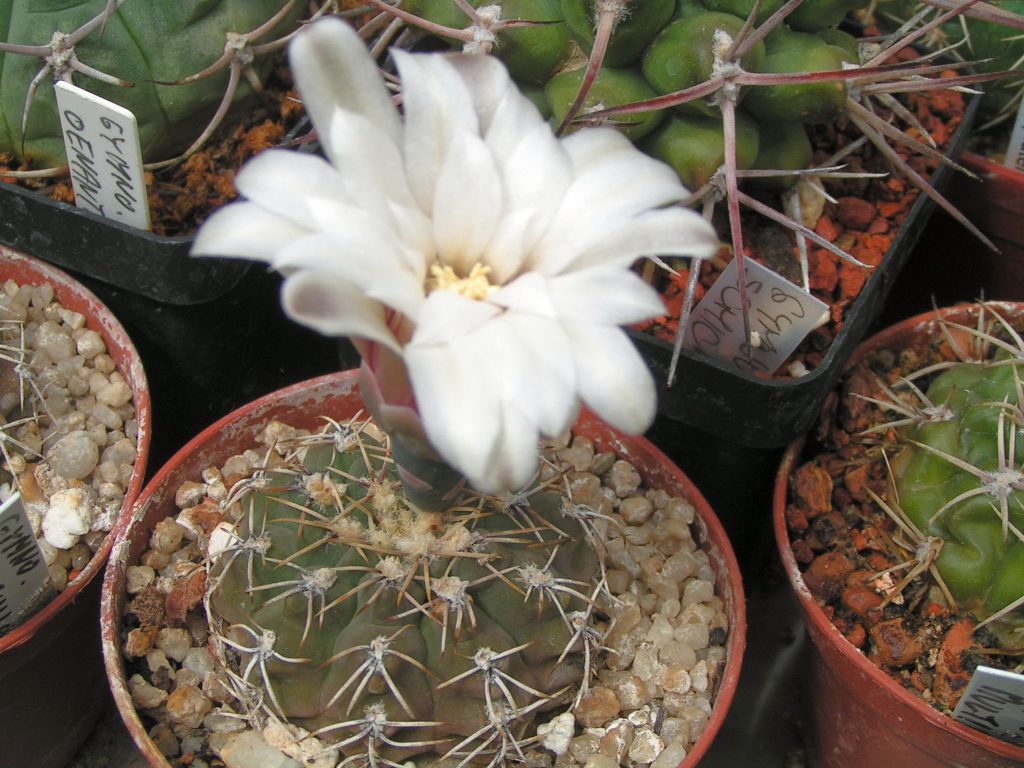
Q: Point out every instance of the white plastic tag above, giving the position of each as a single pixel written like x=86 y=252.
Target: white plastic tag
x=1015 y=149
x=24 y=579
x=101 y=140
x=781 y=314
x=993 y=702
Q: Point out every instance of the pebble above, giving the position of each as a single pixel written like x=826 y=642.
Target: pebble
x=248 y=750
x=556 y=734
x=176 y=643
x=138 y=577
x=671 y=756
x=75 y=455
x=145 y=695
x=188 y=706
x=617 y=740
x=597 y=707
x=165 y=740
x=647 y=745
x=623 y=479
x=68 y=517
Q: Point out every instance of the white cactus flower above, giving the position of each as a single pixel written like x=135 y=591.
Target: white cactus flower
x=490 y=256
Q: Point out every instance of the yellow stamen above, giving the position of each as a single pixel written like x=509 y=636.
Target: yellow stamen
x=475 y=286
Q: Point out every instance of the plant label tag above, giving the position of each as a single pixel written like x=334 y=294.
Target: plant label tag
x=24 y=579
x=993 y=702
x=101 y=140
x=780 y=313
x=1015 y=149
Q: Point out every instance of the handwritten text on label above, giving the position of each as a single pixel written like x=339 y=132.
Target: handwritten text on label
x=101 y=140
x=780 y=313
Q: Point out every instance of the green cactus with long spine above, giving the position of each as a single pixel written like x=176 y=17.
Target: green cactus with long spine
x=351 y=609
x=665 y=44
x=959 y=478
x=784 y=72
x=142 y=42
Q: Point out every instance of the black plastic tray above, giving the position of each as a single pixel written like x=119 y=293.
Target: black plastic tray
x=149 y=265
x=769 y=413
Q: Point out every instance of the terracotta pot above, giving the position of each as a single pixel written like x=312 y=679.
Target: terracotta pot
x=51 y=673
x=301 y=405
x=861 y=716
x=996 y=205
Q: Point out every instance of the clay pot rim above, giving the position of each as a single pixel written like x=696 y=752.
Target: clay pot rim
x=711 y=531
x=72 y=294
x=984 y=166
x=916 y=327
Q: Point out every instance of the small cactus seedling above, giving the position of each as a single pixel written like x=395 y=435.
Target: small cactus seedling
x=388 y=632
x=958 y=477
x=177 y=67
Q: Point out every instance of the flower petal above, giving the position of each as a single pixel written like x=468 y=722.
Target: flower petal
x=517 y=456
x=604 y=296
x=673 y=231
x=446 y=315
x=457 y=395
x=370 y=165
x=538 y=377
x=536 y=172
x=245 y=230
x=286 y=182
x=613 y=182
x=467 y=203
x=612 y=378
x=437 y=105
x=335 y=307
x=527 y=294
x=333 y=70
x=489 y=84
x=351 y=223
x=360 y=261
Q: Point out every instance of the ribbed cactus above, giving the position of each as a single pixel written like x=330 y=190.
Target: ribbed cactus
x=659 y=47
x=142 y=42
x=387 y=630
x=959 y=478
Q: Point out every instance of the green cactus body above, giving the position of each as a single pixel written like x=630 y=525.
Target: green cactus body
x=612 y=87
x=533 y=53
x=782 y=147
x=143 y=42
x=741 y=8
x=683 y=56
x=694 y=145
x=981 y=561
x=790 y=51
x=417 y=604
x=640 y=22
